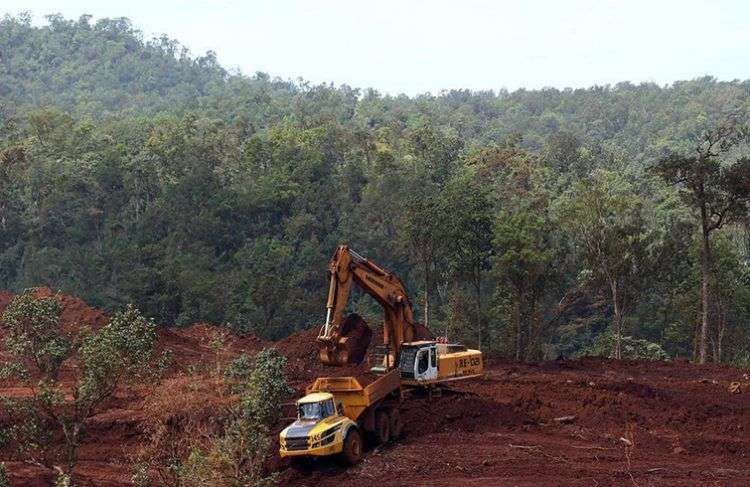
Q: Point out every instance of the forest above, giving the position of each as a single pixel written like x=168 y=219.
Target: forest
x=535 y=224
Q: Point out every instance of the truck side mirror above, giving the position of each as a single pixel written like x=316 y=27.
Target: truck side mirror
x=339 y=408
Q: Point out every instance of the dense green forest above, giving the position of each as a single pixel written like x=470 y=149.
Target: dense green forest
x=534 y=223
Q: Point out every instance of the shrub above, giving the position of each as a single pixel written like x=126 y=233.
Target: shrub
x=632 y=348
x=38 y=346
x=221 y=442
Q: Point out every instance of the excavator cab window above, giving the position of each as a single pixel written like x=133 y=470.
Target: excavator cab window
x=433 y=356
x=424 y=362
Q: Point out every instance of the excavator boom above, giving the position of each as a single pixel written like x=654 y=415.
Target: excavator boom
x=338 y=345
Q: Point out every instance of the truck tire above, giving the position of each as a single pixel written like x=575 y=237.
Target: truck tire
x=352 y=452
x=397 y=426
x=382 y=427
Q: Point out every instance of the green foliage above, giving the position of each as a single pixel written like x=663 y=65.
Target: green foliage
x=121 y=350
x=632 y=348
x=714 y=181
x=63 y=480
x=35 y=338
x=266 y=388
x=141 y=477
x=134 y=172
x=98 y=67
x=608 y=223
x=4 y=482
x=38 y=345
x=240 y=368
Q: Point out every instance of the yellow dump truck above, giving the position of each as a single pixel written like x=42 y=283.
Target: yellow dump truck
x=337 y=413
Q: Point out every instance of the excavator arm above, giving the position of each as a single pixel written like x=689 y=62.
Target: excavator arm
x=348 y=268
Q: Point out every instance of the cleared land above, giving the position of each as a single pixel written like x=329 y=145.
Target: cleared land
x=583 y=422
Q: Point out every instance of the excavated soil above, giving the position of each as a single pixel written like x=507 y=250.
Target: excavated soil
x=585 y=422
x=581 y=422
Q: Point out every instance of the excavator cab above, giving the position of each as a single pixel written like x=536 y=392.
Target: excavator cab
x=426 y=363
x=418 y=361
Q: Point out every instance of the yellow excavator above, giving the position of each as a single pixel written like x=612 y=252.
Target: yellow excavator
x=337 y=413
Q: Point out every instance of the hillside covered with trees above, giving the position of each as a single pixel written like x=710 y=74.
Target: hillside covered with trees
x=534 y=223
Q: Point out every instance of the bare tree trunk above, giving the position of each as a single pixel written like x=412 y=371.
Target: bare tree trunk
x=722 y=325
x=478 y=289
x=618 y=319
x=426 y=295
x=517 y=323
x=535 y=325
x=705 y=296
x=696 y=329
x=71 y=433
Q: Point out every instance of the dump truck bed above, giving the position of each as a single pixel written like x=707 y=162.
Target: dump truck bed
x=355 y=398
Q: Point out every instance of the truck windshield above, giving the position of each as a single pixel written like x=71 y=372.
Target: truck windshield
x=316 y=410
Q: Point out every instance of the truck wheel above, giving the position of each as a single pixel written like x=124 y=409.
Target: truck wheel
x=382 y=427
x=397 y=426
x=352 y=452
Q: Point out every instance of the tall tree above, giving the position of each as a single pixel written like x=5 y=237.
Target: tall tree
x=467 y=202
x=605 y=217
x=717 y=186
x=426 y=232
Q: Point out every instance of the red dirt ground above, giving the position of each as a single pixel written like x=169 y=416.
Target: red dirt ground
x=634 y=423
x=682 y=426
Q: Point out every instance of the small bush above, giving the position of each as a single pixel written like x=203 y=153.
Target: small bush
x=632 y=348
x=240 y=368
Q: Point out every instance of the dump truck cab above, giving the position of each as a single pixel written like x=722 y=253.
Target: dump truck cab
x=337 y=413
x=319 y=430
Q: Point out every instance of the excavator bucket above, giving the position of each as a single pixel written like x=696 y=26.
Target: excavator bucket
x=350 y=346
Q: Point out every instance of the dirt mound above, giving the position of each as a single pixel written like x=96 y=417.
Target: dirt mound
x=303 y=362
x=577 y=422
x=118 y=432
x=75 y=311
x=206 y=343
x=421 y=332
x=610 y=423
x=357 y=337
